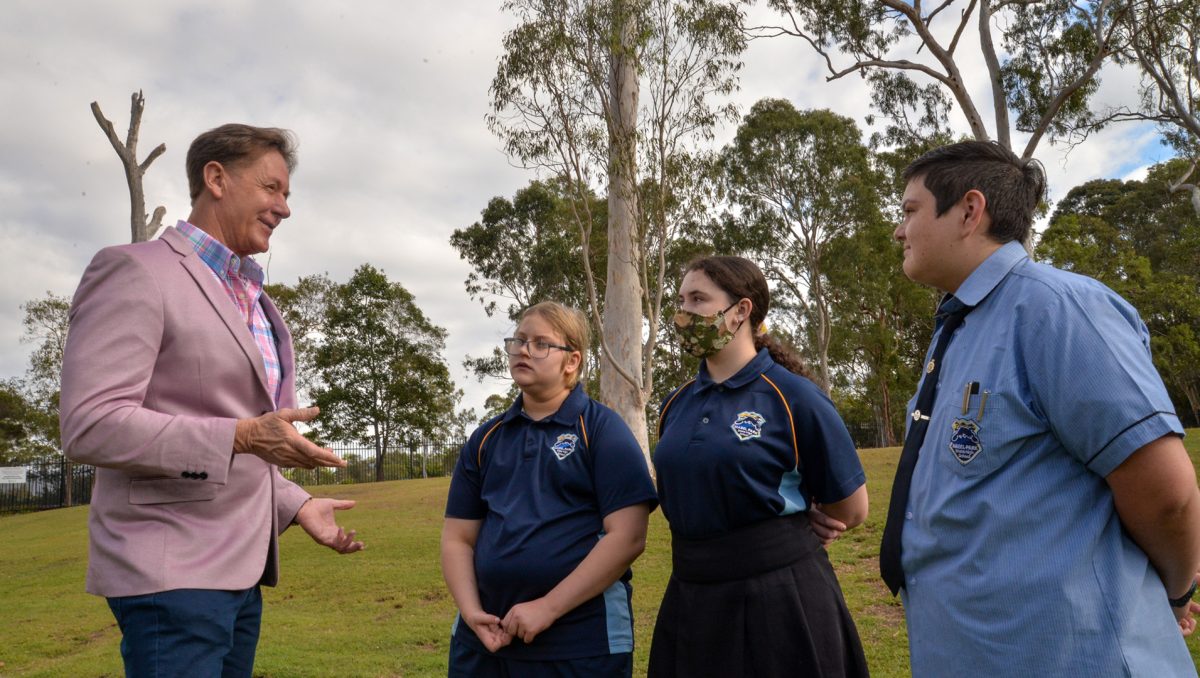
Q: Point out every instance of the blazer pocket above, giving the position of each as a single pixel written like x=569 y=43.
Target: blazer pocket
x=170 y=491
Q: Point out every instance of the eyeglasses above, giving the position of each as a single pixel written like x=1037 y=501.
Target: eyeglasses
x=537 y=348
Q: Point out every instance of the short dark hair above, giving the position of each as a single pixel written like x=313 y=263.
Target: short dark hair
x=235 y=144
x=1012 y=186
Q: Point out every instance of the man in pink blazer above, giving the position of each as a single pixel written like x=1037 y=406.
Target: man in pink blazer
x=178 y=384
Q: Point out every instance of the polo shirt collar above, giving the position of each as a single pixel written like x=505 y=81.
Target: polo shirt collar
x=567 y=413
x=988 y=275
x=759 y=364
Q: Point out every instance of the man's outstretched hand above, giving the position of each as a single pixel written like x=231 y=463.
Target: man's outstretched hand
x=274 y=439
x=316 y=517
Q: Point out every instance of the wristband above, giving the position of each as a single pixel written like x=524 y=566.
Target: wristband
x=1185 y=598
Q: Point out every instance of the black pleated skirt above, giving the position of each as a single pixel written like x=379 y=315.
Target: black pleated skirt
x=758 y=602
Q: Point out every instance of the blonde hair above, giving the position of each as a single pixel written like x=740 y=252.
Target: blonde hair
x=571 y=324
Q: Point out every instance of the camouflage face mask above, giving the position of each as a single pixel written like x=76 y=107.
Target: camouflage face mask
x=703 y=335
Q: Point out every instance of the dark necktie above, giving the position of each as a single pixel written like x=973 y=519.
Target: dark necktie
x=889 y=550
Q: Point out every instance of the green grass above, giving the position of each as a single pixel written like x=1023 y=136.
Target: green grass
x=383 y=612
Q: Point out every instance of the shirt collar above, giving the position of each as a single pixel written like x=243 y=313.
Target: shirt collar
x=567 y=413
x=988 y=275
x=218 y=257
x=749 y=372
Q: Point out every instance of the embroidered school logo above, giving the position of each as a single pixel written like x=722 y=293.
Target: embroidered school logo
x=965 y=443
x=748 y=425
x=564 y=446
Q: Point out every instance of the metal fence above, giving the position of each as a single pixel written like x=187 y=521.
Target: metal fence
x=424 y=460
x=59 y=483
x=48 y=484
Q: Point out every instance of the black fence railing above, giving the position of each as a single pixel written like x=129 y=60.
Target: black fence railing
x=423 y=460
x=48 y=484
x=59 y=483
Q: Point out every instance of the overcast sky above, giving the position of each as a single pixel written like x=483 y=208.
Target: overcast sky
x=388 y=100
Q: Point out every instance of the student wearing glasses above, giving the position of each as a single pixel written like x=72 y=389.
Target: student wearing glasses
x=547 y=509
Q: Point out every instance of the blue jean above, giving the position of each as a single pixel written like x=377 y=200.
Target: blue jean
x=189 y=632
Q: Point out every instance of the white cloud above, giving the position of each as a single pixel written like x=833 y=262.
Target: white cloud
x=388 y=100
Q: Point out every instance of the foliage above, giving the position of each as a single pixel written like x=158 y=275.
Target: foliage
x=303 y=309
x=29 y=406
x=527 y=250
x=378 y=372
x=1164 y=38
x=46 y=322
x=1052 y=51
x=800 y=179
x=1142 y=241
x=28 y=432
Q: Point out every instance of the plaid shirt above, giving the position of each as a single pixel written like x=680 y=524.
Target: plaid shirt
x=242 y=280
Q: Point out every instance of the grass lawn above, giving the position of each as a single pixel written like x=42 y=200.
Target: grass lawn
x=383 y=612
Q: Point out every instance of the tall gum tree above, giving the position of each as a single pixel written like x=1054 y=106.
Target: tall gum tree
x=568 y=100
x=799 y=179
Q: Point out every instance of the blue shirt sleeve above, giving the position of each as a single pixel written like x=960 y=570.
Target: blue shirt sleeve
x=1091 y=376
x=829 y=461
x=619 y=471
x=465 y=499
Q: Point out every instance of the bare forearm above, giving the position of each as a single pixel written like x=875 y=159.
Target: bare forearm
x=608 y=560
x=458 y=569
x=852 y=510
x=1171 y=539
x=1155 y=495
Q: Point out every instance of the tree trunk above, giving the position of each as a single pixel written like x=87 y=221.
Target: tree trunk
x=140 y=227
x=622 y=296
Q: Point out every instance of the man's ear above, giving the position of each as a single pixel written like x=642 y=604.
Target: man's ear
x=975 y=216
x=215 y=178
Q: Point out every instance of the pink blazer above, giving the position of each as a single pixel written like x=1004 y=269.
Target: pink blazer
x=158 y=367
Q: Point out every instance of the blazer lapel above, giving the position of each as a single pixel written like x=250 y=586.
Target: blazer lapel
x=219 y=299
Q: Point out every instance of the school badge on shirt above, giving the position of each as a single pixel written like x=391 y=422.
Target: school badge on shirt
x=748 y=425
x=564 y=446
x=964 y=442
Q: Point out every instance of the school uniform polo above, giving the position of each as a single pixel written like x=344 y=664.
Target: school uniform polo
x=542 y=490
x=764 y=443
x=1015 y=560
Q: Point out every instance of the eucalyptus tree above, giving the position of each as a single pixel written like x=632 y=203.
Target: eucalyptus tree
x=614 y=97
x=303 y=309
x=1143 y=241
x=798 y=179
x=1040 y=59
x=527 y=250
x=1164 y=39
x=384 y=381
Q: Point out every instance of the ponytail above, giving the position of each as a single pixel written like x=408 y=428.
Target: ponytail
x=784 y=355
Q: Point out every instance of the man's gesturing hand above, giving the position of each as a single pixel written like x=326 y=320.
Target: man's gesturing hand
x=272 y=438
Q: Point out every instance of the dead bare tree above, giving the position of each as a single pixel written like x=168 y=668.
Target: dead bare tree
x=141 y=227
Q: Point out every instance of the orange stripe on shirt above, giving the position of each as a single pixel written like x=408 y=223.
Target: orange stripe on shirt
x=795 y=445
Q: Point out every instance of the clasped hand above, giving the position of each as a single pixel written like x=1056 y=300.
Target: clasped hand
x=274 y=439
x=524 y=621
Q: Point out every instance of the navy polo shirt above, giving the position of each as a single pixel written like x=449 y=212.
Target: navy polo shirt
x=542 y=490
x=761 y=444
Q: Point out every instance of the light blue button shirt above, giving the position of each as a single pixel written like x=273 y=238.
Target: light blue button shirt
x=1016 y=561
